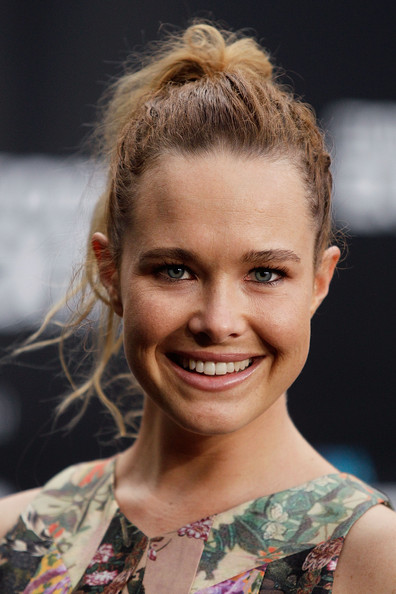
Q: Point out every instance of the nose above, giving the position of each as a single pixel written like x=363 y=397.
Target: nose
x=220 y=315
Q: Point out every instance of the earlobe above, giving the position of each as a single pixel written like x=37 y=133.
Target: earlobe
x=108 y=272
x=323 y=276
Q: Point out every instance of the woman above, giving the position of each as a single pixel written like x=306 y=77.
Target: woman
x=213 y=246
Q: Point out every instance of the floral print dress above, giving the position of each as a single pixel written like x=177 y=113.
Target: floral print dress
x=73 y=538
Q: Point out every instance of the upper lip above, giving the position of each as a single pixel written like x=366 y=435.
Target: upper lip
x=215 y=357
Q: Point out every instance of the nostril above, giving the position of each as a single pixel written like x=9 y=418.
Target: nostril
x=215 y=331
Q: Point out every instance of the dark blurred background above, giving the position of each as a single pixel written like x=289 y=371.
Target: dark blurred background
x=56 y=58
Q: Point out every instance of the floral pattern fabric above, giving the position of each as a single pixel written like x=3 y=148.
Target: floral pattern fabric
x=74 y=539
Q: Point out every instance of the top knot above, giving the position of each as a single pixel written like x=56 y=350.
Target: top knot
x=204 y=50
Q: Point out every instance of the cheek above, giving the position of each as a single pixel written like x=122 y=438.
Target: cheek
x=286 y=327
x=149 y=319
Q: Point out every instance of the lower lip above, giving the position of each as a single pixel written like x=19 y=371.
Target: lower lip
x=215 y=383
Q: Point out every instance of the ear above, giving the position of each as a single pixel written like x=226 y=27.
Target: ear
x=108 y=272
x=323 y=275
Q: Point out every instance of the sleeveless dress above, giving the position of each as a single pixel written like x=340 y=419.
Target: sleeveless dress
x=73 y=538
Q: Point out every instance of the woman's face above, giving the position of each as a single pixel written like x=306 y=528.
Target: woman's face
x=217 y=287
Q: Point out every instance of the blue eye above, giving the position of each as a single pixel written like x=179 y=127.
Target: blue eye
x=262 y=275
x=176 y=272
x=266 y=275
x=173 y=272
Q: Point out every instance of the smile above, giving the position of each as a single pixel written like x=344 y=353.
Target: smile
x=214 y=373
x=214 y=368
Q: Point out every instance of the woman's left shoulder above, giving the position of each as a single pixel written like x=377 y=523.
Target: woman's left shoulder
x=368 y=559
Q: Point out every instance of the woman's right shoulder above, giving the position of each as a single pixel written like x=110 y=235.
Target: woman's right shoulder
x=11 y=508
x=83 y=479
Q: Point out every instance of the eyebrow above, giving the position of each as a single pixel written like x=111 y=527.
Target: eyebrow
x=172 y=253
x=251 y=257
x=279 y=255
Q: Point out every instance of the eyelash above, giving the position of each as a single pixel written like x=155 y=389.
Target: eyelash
x=280 y=272
x=162 y=272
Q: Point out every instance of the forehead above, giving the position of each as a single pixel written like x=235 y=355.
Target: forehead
x=222 y=197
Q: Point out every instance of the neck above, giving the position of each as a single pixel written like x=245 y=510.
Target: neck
x=169 y=460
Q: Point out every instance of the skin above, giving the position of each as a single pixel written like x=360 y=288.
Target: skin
x=218 y=307
x=247 y=288
x=238 y=221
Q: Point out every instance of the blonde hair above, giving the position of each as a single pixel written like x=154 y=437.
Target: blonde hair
x=196 y=91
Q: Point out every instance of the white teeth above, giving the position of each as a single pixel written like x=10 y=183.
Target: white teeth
x=209 y=368
x=213 y=368
x=221 y=368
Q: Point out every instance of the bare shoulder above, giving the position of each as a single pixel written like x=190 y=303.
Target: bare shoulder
x=368 y=559
x=12 y=506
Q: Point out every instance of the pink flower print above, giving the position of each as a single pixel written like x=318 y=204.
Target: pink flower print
x=236 y=585
x=103 y=554
x=100 y=578
x=323 y=554
x=331 y=566
x=62 y=587
x=198 y=529
x=154 y=547
x=47 y=577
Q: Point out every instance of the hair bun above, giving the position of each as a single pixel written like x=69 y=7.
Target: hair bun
x=201 y=51
x=204 y=50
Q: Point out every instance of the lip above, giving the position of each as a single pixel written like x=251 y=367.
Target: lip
x=215 y=383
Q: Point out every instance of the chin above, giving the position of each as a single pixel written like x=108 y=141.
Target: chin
x=214 y=419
